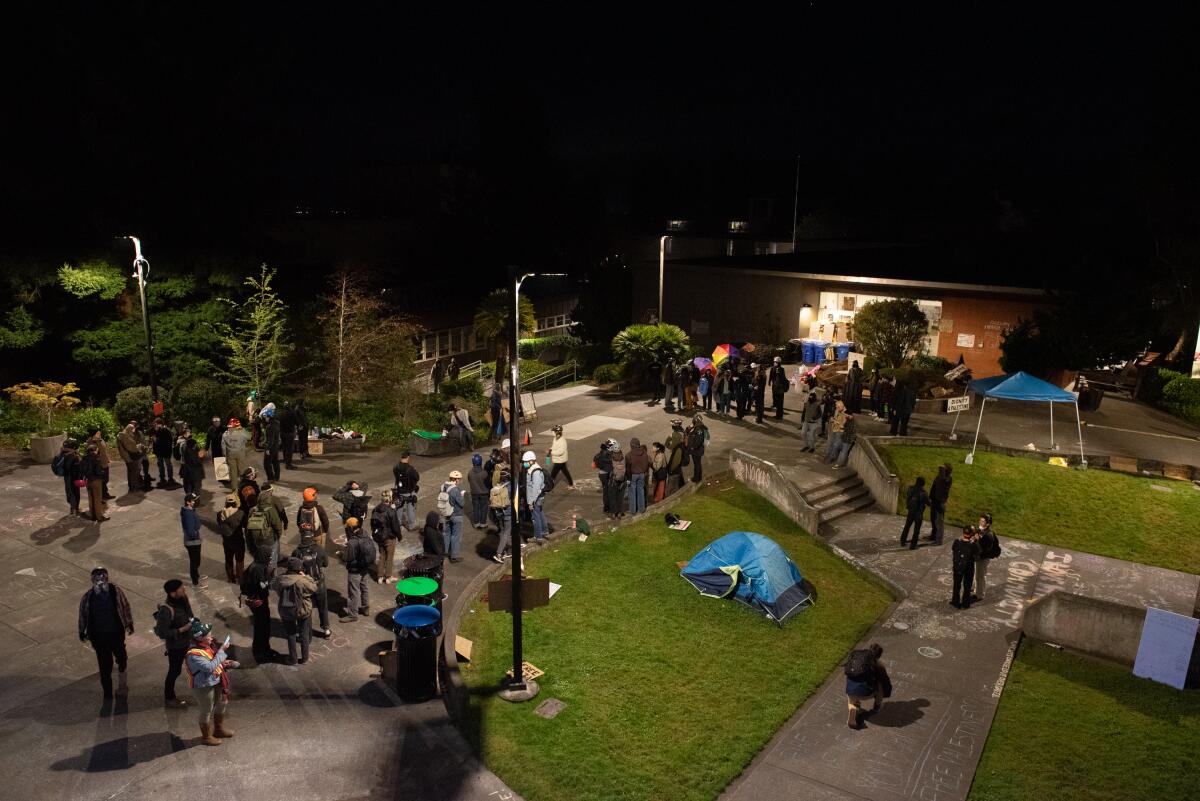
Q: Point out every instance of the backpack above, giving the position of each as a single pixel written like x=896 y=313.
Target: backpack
x=547 y=482
x=618 y=470
x=994 y=549
x=498 y=497
x=367 y=556
x=58 y=466
x=311 y=566
x=858 y=665
x=445 y=509
x=163 y=632
x=289 y=602
x=310 y=518
x=256 y=523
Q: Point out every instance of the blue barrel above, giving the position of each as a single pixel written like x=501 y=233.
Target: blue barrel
x=819 y=352
x=417 y=630
x=843 y=351
x=809 y=351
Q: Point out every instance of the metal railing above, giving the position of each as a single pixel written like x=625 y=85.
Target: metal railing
x=472 y=370
x=553 y=377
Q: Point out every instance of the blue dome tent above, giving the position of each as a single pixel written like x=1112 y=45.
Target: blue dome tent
x=752 y=569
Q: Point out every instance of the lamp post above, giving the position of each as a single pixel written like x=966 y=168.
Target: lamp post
x=662 y=255
x=142 y=270
x=518 y=689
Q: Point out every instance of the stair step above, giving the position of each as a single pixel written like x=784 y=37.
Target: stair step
x=847 y=508
x=830 y=488
x=849 y=495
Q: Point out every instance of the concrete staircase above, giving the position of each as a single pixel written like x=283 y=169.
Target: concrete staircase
x=838 y=496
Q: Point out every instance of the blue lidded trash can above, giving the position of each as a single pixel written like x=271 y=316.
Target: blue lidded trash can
x=417 y=629
x=843 y=351
x=819 y=352
x=809 y=351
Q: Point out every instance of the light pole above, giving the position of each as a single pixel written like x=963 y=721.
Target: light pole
x=518 y=689
x=662 y=255
x=142 y=269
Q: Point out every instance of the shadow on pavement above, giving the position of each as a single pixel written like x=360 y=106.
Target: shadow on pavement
x=124 y=752
x=898 y=714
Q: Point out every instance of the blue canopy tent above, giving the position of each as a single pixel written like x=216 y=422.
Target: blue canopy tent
x=752 y=569
x=1024 y=387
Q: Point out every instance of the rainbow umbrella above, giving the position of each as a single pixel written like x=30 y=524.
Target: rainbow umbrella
x=724 y=352
x=702 y=363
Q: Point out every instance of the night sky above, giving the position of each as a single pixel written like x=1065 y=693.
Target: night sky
x=206 y=130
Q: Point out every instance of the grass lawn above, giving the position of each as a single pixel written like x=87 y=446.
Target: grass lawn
x=669 y=694
x=1069 y=727
x=1097 y=511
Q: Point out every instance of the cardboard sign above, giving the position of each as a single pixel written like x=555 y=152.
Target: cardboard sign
x=961 y=404
x=955 y=372
x=1166 y=647
x=534 y=593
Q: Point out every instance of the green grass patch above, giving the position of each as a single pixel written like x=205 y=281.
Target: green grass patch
x=669 y=694
x=1097 y=511
x=1069 y=727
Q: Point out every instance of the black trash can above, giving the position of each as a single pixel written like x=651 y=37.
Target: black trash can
x=1089 y=399
x=417 y=629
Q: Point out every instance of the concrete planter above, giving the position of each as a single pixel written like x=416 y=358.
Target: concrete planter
x=44 y=449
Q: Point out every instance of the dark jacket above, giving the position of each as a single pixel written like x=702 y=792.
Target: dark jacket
x=939 y=492
x=964 y=553
x=255 y=584
x=431 y=536
x=477 y=481
x=779 y=380
x=352 y=506
x=695 y=440
x=163 y=440
x=917 y=499
x=989 y=545
x=850 y=431
x=385 y=524
x=302 y=513
x=214 y=440
x=190 y=521
x=407 y=478
x=90 y=469
x=170 y=617
x=359 y=552
x=812 y=410
x=315 y=561
x=603 y=461
x=637 y=461
x=862 y=686
x=124 y=613
x=70 y=464
x=273 y=436
x=193 y=465
x=905 y=400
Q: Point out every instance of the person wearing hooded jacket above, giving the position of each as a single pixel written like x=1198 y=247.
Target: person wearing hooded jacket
x=432 y=541
x=617 y=479
x=360 y=554
x=315 y=562
x=637 y=463
x=558 y=457
x=676 y=446
x=272 y=441
x=233 y=444
x=602 y=461
x=311 y=517
x=386 y=531
x=780 y=384
x=477 y=484
x=697 y=438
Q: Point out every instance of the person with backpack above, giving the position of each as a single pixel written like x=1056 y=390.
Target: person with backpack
x=132 y=450
x=989 y=549
x=658 y=471
x=697 y=438
x=963 y=554
x=385 y=530
x=450 y=503
x=208 y=671
x=866 y=677
x=192 y=469
x=939 y=495
x=477 y=483
x=295 y=591
x=677 y=456
x=463 y=430
x=234 y=444
x=354 y=500
x=602 y=461
x=190 y=521
x=536 y=487
x=311 y=517
x=92 y=473
x=66 y=466
x=231 y=520
x=616 y=479
x=314 y=562
x=256 y=582
x=408 y=482
x=104 y=620
x=268 y=492
x=558 y=457
x=162 y=442
x=780 y=385
x=173 y=625
x=360 y=555
x=263 y=532
x=500 y=508
x=272 y=441
x=637 y=462
x=917 y=500
x=811 y=422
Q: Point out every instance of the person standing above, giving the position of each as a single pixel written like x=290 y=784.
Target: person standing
x=256 y=582
x=453 y=370
x=854 y=388
x=876 y=383
x=132 y=450
x=173 y=625
x=705 y=388
x=668 y=384
x=360 y=554
x=66 y=464
x=939 y=494
x=272 y=440
x=213 y=440
x=311 y=518
x=837 y=424
x=759 y=382
x=408 y=482
x=917 y=501
x=295 y=591
x=905 y=401
x=697 y=438
x=232 y=522
x=433 y=541
x=653 y=378
x=500 y=505
x=263 y=532
x=677 y=456
x=477 y=484
x=385 y=530
x=93 y=474
x=887 y=389
x=301 y=413
x=234 y=443
x=637 y=461
x=616 y=479
x=811 y=418
x=989 y=549
x=460 y=423
x=450 y=504
x=208 y=668
x=314 y=562
x=724 y=390
x=95 y=437
x=849 y=437
x=658 y=471
x=192 y=469
x=190 y=522
x=354 y=500
x=535 y=495
x=779 y=386
x=162 y=440
x=866 y=677
x=558 y=457
x=104 y=620
x=602 y=461
x=963 y=554
x=435 y=375
x=287 y=434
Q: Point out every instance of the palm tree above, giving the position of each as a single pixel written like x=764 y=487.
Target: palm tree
x=493 y=320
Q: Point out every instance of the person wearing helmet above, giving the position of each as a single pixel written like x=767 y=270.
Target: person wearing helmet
x=558 y=457
x=697 y=438
x=408 y=481
x=272 y=442
x=208 y=667
x=311 y=517
x=450 y=504
x=602 y=461
x=360 y=555
x=535 y=493
x=477 y=482
x=190 y=522
x=779 y=386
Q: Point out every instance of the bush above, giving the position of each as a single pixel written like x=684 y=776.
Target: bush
x=923 y=361
x=469 y=388
x=199 y=399
x=1182 y=397
x=81 y=425
x=638 y=346
x=134 y=404
x=1156 y=379
x=534 y=348
x=607 y=374
x=17 y=422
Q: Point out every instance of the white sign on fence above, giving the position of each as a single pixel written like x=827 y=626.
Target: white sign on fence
x=1166 y=647
x=960 y=404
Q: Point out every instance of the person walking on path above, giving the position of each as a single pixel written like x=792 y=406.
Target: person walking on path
x=208 y=669
x=231 y=521
x=477 y=484
x=854 y=388
x=161 y=442
x=385 y=530
x=866 y=677
x=408 y=482
x=904 y=400
x=836 y=425
x=658 y=471
x=917 y=499
x=315 y=561
x=558 y=457
x=779 y=386
x=637 y=462
x=963 y=554
x=450 y=503
x=190 y=521
x=295 y=591
x=93 y=475
x=811 y=422
x=234 y=443
x=697 y=438
x=989 y=549
x=499 y=503
x=939 y=494
x=173 y=625
x=361 y=554
x=66 y=465
x=848 y=439
x=104 y=620
x=535 y=494
x=95 y=437
x=132 y=450
x=256 y=582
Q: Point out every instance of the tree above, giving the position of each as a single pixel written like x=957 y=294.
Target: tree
x=368 y=348
x=890 y=331
x=256 y=339
x=638 y=346
x=493 y=320
x=47 y=397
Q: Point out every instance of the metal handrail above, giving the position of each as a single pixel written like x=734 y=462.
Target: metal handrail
x=558 y=375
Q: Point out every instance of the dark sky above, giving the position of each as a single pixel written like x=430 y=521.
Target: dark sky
x=223 y=118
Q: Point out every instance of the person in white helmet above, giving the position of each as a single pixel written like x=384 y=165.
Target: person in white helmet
x=450 y=503
x=535 y=492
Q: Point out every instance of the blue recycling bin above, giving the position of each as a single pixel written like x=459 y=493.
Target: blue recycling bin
x=819 y=352
x=809 y=352
x=843 y=351
x=417 y=630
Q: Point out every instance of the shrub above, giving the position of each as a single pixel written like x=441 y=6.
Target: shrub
x=607 y=374
x=638 y=346
x=47 y=397
x=890 y=330
x=535 y=347
x=198 y=399
x=923 y=361
x=469 y=388
x=1182 y=397
x=134 y=404
x=85 y=421
x=17 y=422
x=1156 y=379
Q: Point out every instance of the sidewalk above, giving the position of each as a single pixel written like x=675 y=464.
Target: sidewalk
x=948 y=668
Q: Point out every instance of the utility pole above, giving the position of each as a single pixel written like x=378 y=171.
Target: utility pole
x=796 y=205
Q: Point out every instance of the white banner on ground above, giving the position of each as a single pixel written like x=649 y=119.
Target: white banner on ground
x=1166 y=647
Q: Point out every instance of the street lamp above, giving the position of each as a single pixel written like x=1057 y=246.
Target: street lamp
x=662 y=255
x=142 y=270
x=518 y=689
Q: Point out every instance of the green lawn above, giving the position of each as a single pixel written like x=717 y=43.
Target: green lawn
x=1069 y=727
x=669 y=694
x=1097 y=511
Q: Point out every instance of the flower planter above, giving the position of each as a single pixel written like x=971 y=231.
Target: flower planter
x=44 y=449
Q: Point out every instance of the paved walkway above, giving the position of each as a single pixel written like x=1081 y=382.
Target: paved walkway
x=948 y=668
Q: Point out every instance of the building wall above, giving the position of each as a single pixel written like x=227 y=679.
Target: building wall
x=980 y=321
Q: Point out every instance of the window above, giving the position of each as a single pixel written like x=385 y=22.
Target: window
x=450 y=342
x=553 y=322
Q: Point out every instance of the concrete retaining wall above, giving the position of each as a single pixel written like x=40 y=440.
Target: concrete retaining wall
x=764 y=478
x=1100 y=628
x=883 y=484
